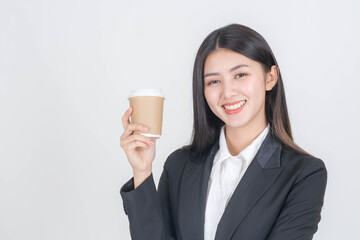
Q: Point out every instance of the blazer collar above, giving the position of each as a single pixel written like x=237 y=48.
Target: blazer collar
x=267 y=148
x=252 y=185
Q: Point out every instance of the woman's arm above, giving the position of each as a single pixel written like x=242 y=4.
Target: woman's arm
x=149 y=211
x=300 y=214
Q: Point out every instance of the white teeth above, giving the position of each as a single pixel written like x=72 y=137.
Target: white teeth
x=235 y=106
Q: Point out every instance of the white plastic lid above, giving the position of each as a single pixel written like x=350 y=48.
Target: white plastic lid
x=157 y=92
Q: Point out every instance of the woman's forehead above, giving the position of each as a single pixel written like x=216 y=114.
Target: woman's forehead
x=224 y=59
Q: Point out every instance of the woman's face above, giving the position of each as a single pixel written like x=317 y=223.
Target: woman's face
x=235 y=87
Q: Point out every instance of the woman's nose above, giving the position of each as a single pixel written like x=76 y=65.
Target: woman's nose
x=229 y=89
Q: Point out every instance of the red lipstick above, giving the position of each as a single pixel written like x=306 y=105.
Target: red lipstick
x=235 y=110
x=227 y=104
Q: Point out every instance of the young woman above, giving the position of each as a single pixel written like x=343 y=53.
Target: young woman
x=242 y=176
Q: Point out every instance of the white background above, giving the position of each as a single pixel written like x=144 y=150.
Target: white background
x=66 y=68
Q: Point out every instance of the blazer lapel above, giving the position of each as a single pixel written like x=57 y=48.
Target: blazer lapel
x=258 y=178
x=193 y=191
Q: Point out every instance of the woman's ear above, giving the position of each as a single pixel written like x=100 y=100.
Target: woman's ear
x=271 y=78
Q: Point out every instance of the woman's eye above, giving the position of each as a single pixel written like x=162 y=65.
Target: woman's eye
x=211 y=82
x=240 y=74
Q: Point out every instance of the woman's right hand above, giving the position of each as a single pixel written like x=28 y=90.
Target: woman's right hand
x=139 y=149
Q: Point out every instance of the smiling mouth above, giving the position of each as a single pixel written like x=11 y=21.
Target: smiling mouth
x=234 y=106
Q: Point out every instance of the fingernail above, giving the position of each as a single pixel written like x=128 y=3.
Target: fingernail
x=144 y=128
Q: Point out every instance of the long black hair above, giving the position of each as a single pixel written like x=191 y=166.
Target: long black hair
x=248 y=42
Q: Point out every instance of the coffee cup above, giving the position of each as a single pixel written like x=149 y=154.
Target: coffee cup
x=147 y=105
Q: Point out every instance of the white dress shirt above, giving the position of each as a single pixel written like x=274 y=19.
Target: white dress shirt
x=226 y=173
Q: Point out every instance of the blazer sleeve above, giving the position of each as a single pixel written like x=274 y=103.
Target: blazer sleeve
x=148 y=210
x=300 y=214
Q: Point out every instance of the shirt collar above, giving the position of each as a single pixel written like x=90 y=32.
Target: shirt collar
x=247 y=154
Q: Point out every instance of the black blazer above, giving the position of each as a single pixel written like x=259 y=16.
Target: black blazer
x=279 y=197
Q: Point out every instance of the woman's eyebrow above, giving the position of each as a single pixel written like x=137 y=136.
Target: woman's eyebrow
x=231 y=69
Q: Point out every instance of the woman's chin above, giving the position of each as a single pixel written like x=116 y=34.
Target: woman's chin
x=232 y=120
x=235 y=124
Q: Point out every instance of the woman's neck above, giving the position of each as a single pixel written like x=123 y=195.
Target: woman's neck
x=237 y=139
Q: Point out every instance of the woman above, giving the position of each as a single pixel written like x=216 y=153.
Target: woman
x=242 y=176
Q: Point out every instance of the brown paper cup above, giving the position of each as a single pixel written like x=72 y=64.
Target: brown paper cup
x=148 y=107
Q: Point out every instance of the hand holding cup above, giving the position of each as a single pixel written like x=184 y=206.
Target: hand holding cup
x=138 y=139
x=139 y=149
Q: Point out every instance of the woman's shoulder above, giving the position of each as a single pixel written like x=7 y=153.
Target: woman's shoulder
x=177 y=158
x=183 y=155
x=304 y=164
